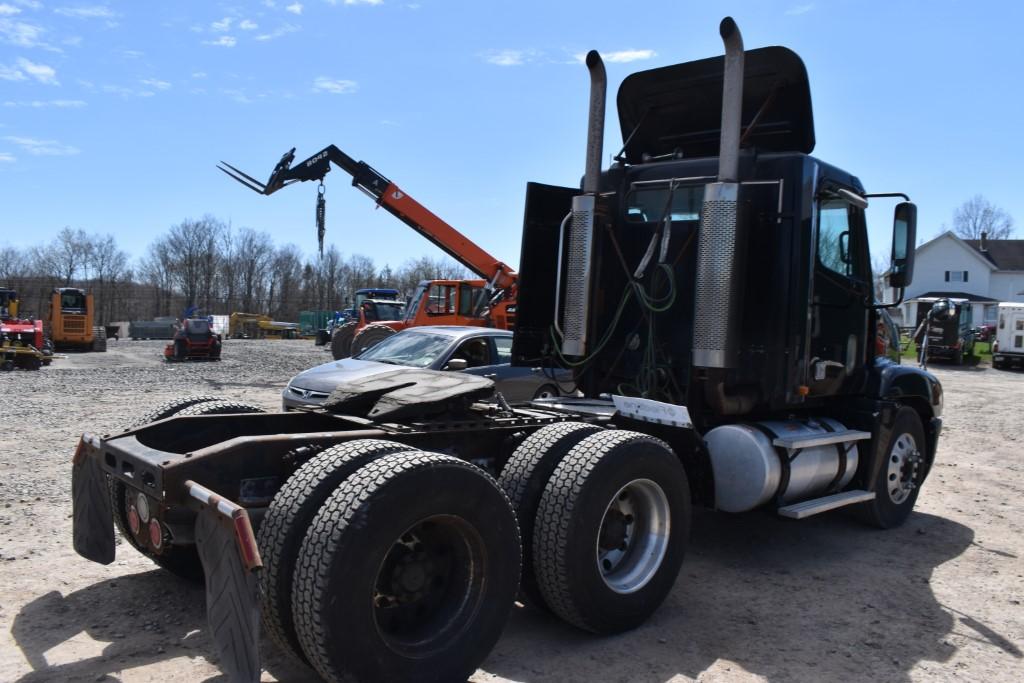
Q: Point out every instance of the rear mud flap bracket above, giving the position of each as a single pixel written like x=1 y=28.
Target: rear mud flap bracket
x=227 y=549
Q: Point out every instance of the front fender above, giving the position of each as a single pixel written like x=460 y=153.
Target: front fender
x=892 y=382
x=904 y=383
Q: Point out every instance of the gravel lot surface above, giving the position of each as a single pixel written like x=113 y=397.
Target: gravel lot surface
x=759 y=598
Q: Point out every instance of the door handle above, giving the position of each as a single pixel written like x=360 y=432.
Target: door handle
x=491 y=375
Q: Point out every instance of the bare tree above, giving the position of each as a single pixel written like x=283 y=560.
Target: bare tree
x=978 y=215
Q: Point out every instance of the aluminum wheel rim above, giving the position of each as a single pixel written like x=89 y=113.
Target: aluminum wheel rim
x=633 y=537
x=904 y=461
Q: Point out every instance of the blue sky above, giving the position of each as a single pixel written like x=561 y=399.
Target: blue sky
x=113 y=115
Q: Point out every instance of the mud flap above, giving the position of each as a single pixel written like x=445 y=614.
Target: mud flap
x=93 y=522
x=232 y=589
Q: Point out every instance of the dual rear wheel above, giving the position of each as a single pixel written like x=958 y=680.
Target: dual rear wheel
x=368 y=578
x=605 y=516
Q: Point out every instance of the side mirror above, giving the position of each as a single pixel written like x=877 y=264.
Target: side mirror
x=904 y=236
x=456 y=364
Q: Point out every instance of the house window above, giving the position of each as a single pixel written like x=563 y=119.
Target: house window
x=991 y=313
x=956 y=276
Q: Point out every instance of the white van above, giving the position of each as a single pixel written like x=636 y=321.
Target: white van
x=1009 y=345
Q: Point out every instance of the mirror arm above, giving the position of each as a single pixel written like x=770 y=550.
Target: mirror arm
x=899 y=300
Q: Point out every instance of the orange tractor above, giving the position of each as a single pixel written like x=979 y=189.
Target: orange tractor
x=488 y=301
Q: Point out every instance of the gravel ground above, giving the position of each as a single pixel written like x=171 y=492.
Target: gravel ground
x=758 y=597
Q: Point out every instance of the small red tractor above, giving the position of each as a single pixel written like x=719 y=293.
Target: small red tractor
x=194 y=340
x=22 y=344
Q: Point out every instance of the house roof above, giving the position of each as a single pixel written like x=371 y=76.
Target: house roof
x=1003 y=254
x=976 y=298
x=974 y=253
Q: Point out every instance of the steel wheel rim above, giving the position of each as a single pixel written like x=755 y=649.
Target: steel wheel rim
x=633 y=536
x=903 y=464
x=429 y=586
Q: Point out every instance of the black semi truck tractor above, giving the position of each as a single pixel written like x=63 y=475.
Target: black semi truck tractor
x=711 y=291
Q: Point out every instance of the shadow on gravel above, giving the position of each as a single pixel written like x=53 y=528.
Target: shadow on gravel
x=822 y=599
x=139 y=619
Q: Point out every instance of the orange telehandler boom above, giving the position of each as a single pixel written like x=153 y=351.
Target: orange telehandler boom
x=499 y=276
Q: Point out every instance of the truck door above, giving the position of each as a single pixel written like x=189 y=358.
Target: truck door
x=841 y=292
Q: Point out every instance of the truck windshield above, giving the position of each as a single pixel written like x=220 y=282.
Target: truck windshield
x=649 y=205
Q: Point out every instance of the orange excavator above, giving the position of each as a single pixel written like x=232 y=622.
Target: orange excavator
x=488 y=301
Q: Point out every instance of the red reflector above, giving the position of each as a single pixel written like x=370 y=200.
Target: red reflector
x=79 y=451
x=133 y=520
x=246 y=541
x=156 y=534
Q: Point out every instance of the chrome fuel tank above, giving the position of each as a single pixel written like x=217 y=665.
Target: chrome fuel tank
x=749 y=470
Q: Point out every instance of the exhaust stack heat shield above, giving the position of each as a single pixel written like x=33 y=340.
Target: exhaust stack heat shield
x=716 y=318
x=578 y=272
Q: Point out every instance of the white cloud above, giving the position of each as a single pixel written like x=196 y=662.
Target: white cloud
x=132 y=54
x=39 y=104
x=41 y=72
x=247 y=25
x=73 y=41
x=11 y=73
x=222 y=25
x=7 y=157
x=269 y=3
x=21 y=34
x=223 y=41
x=25 y=69
x=358 y=2
x=334 y=86
x=619 y=56
x=199 y=74
x=282 y=30
x=93 y=12
x=508 y=57
x=237 y=95
x=294 y=8
x=156 y=83
x=50 y=148
x=797 y=10
x=31 y=4
x=8 y=10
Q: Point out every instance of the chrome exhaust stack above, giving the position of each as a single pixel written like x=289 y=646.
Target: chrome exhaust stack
x=582 y=223
x=720 y=253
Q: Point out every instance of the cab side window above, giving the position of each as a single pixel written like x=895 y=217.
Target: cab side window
x=835 y=249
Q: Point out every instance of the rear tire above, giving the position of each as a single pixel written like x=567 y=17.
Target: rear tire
x=523 y=480
x=395 y=585
x=611 y=531
x=220 y=408
x=165 y=410
x=288 y=518
x=341 y=341
x=370 y=335
x=899 y=478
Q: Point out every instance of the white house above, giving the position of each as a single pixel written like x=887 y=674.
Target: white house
x=983 y=271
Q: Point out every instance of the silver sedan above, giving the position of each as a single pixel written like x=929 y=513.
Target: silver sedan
x=473 y=350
